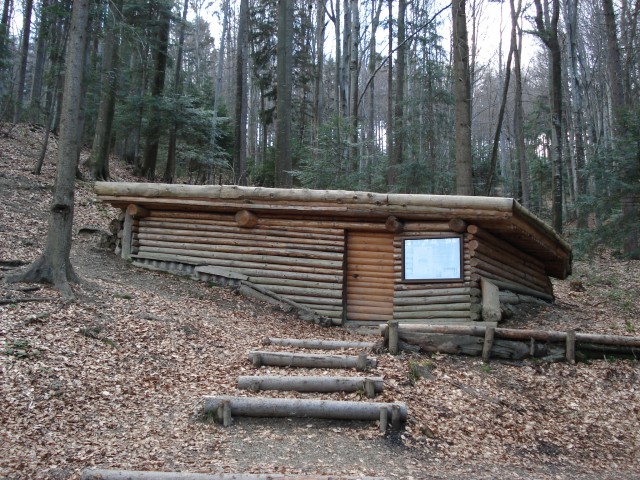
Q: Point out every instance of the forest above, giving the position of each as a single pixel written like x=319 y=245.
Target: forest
x=395 y=96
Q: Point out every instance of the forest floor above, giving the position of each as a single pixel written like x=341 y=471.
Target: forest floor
x=115 y=379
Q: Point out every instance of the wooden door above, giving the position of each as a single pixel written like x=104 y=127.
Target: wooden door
x=370 y=276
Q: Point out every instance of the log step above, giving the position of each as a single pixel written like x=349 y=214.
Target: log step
x=102 y=474
x=317 y=344
x=370 y=385
x=309 y=360
x=303 y=408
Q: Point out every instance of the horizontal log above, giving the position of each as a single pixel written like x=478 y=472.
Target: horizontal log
x=369 y=310
x=504 y=274
x=522 y=334
x=376 y=302
x=470 y=345
x=269 y=282
x=418 y=228
x=431 y=300
x=246 y=250
x=268 y=259
x=425 y=288
x=494 y=242
x=480 y=247
x=317 y=292
x=303 y=408
x=287 y=275
x=319 y=301
x=437 y=321
x=307 y=360
x=437 y=307
x=308 y=383
x=294 y=231
x=247 y=241
x=458 y=225
x=518 y=288
x=368 y=317
x=426 y=314
x=102 y=474
x=514 y=269
x=382 y=291
x=314 y=343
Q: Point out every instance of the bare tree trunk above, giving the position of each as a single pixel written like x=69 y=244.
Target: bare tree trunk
x=549 y=36
x=462 y=93
x=371 y=68
x=571 y=22
x=318 y=98
x=170 y=167
x=54 y=265
x=38 y=68
x=216 y=96
x=240 y=151
x=24 y=55
x=354 y=69
x=391 y=172
x=157 y=89
x=521 y=153
x=102 y=138
x=283 y=161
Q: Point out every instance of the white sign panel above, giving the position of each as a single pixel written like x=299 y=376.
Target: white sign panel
x=432 y=259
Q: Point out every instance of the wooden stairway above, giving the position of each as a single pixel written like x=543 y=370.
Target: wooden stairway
x=393 y=414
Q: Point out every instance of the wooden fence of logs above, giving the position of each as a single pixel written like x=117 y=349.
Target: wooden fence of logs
x=506 y=343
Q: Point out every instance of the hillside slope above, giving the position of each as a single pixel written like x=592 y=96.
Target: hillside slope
x=114 y=380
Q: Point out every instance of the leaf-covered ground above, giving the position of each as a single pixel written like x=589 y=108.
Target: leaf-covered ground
x=115 y=379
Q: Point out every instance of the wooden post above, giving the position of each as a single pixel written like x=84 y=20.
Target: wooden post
x=393 y=337
x=490 y=301
x=396 y=420
x=571 y=346
x=361 y=362
x=369 y=388
x=488 y=344
x=127 y=235
x=246 y=219
x=226 y=413
x=384 y=419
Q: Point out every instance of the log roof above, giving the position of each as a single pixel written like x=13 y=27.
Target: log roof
x=504 y=217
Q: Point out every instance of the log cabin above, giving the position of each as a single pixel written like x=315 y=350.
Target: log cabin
x=352 y=257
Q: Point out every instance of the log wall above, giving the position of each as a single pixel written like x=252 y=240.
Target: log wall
x=327 y=265
x=506 y=266
x=433 y=302
x=301 y=261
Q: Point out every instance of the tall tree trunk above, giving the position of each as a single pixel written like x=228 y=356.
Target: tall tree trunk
x=318 y=94
x=38 y=68
x=157 y=90
x=462 y=94
x=579 y=163
x=24 y=55
x=371 y=70
x=391 y=171
x=110 y=66
x=216 y=95
x=549 y=36
x=521 y=153
x=170 y=167
x=630 y=199
x=283 y=161
x=240 y=150
x=54 y=265
x=503 y=105
x=354 y=68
